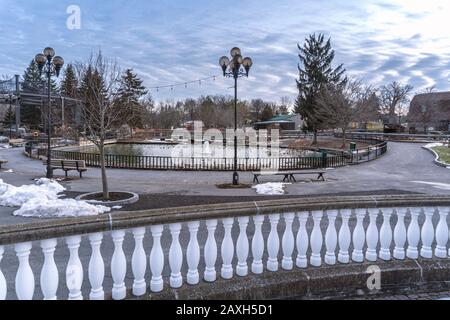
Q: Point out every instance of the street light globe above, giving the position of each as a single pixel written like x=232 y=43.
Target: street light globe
x=247 y=63
x=49 y=52
x=235 y=51
x=237 y=59
x=40 y=59
x=58 y=61
x=224 y=61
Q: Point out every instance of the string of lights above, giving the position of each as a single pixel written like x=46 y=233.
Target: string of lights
x=185 y=84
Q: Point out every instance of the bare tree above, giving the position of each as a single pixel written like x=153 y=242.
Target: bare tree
x=394 y=99
x=368 y=108
x=337 y=105
x=99 y=82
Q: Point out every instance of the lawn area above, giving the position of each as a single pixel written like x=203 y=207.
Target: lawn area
x=444 y=154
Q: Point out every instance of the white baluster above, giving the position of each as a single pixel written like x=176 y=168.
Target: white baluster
x=156 y=259
x=372 y=236
x=386 y=235
x=49 y=273
x=193 y=254
x=331 y=238
x=302 y=241
x=210 y=252
x=288 y=242
x=175 y=256
x=258 y=246
x=344 y=237
x=3 y=286
x=96 y=268
x=427 y=234
x=24 y=277
x=273 y=243
x=359 y=238
x=227 y=249
x=139 y=263
x=74 y=270
x=413 y=234
x=400 y=234
x=242 y=247
x=118 y=266
x=442 y=234
x=316 y=239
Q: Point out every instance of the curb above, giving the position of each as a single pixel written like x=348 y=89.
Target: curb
x=133 y=199
x=436 y=160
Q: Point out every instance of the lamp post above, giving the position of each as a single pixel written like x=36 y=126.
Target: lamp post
x=235 y=68
x=51 y=65
x=10 y=98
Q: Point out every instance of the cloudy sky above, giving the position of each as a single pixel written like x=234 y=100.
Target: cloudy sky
x=170 y=41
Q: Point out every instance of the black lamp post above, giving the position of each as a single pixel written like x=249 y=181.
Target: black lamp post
x=235 y=68
x=10 y=98
x=51 y=65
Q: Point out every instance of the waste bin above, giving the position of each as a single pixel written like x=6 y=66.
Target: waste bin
x=352 y=146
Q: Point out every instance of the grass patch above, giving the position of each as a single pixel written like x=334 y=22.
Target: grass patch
x=444 y=154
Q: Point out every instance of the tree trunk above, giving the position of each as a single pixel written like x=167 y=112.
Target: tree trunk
x=344 y=138
x=103 y=169
x=314 y=143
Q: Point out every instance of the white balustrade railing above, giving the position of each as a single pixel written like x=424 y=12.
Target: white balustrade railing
x=307 y=239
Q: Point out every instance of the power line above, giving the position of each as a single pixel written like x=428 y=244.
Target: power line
x=185 y=84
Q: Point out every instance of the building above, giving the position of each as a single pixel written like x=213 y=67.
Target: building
x=429 y=112
x=282 y=122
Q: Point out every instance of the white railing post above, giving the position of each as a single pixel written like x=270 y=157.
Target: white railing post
x=242 y=247
x=316 y=239
x=273 y=243
x=175 y=256
x=139 y=263
x=193 y=254
x=372 y=236
x=344 y=237
x=118 y=266
x=331 y=238
x=400 y=234
x=156 y=259
x=302 y=241
x=413 y=234
x=3 y=286
x=359 y=237
x=427 y=234
x=74 y=270
x=96 y=268
x=386 y=235
x=258 y=246
x=49 y=273
x=442 y=234
x=210 y=253
x=227 y=249
x=288 y=242
x=24 y=277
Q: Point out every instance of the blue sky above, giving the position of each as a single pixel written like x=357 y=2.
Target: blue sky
x=177 y=41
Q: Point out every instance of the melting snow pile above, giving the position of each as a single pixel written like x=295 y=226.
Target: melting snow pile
x=270 y=188
x=42 y=200
x=434 y=145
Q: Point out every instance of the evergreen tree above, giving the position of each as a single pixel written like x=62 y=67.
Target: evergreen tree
x=315 y=72
x=129 y=94
x=69 y=88
x=9 y=117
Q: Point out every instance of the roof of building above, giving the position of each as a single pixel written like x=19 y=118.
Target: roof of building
x=437 y=105
x=287 y=118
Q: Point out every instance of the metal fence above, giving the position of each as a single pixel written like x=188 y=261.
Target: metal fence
x=326 y=159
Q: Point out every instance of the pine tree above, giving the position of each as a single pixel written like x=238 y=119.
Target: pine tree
x=9 y=117
x=69 y=88
x=130 y=92
x=315 y=72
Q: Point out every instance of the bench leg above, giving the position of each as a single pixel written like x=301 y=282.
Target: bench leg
x=293 y=178
x=255 y=179
x=81 y=175
x=66 y=174
x=286 y=177
x=321 y=177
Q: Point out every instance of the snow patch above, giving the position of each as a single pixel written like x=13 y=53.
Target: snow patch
x=8 y=171
x=437 y=185
x=270 y=188
x=434 y=145
x=42 y=200
x=117 y=207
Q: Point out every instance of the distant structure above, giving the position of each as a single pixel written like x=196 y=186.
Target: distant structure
x=282 y=122
x=429 y=112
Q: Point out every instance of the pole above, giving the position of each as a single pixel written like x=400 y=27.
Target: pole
x=235 y=174
x=10 y=118
x=49 y=120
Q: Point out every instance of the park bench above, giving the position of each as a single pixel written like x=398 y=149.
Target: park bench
x=3 y=162
x=68 y=165
x=290 y=175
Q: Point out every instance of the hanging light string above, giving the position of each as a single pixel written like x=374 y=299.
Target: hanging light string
x=185 y=84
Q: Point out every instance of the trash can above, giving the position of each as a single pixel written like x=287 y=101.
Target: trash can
x=352 y=146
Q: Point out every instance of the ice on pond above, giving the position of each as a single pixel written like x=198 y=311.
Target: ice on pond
x=270 y=188
x=41 y=200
